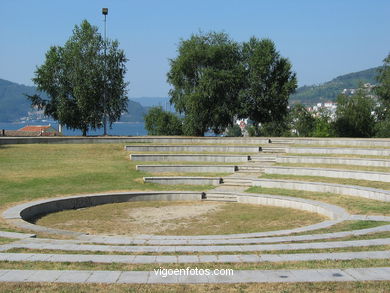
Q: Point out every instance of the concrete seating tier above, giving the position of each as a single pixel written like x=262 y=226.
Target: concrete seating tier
x=350 y=190
x=187 y=168
x=342 y=151
x=333 y=161
x=334 y=173
x=194 y=148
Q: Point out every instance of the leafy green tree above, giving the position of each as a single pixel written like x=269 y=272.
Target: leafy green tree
x=75 y=78
x=160 y=122
x=301 y=120
x=383 y=91
x=383 y=88
x=269 y=81
x=354 y=115
x=323 y=124
x=233 y=131
x=206 y=77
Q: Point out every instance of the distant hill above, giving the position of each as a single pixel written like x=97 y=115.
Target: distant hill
x=329 y=91
x=14 y=104
x=149 y=102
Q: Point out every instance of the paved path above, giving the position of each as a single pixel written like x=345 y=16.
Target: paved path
x=152 y=277
x=158 y=259
x=196 y=248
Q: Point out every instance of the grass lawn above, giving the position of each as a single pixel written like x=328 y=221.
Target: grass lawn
x=366 y=183
x=33 y=171
x=336 y=166
x=42 y=170
x=354 y=205
x=367 y=287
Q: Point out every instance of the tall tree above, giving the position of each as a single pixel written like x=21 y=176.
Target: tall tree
x=301 y=120
x=354 y=115
x=269 y=81
x=76 y=76
x=383 y=89
x=206 y=77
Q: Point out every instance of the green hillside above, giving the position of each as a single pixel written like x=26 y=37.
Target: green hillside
x=12 y=100
x=329 y=91
x=14 y=104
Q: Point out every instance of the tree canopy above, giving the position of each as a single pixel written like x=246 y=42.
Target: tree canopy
x=160 y=122
x=76 y=76
x=215 y=80
x=269 y=81
x=354 y=115
x=206 y=80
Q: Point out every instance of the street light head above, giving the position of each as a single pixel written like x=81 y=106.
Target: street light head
x=105 y=11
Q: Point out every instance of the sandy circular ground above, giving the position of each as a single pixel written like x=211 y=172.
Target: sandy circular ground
x=178 y=218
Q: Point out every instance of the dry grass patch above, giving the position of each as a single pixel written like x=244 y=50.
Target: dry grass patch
x=340 y=287
x=178 y=218
x=291 y=265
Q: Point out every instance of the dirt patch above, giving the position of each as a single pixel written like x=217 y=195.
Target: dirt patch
x=152 y=220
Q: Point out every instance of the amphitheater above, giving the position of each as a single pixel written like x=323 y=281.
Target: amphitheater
x=281 y=172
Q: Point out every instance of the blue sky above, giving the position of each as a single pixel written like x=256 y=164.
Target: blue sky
x=322 y=39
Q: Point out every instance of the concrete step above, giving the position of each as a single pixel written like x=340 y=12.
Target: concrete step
x=262 y=159
x=249 y=168
x=281 y=141
x=237 y=182
x=274 y=149
x=221 y=197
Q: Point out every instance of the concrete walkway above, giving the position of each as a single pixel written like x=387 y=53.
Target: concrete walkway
x=202 y=277
x=195 y=248
x=222 y=258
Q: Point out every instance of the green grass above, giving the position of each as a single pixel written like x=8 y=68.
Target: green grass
x=42 y=170
x=339 y=156
x=355 y=205
x=336 y=166
x=4 y=240
x=338 y=146
x=365 y=183
x=346 y=226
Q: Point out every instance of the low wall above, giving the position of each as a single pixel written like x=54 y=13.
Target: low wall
x=22 y=215
x=193 y=148
x=333 y=160
x=355 y=142
x=135 y=139
x=342 y=151
x=187 y=168
x=333 y=173
x=190 y=158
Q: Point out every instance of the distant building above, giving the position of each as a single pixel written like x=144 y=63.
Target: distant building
x=32 y=130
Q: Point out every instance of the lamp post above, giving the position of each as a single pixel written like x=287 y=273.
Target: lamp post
x=105 y=12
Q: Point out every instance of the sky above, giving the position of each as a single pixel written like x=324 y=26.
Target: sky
x=322 y=38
